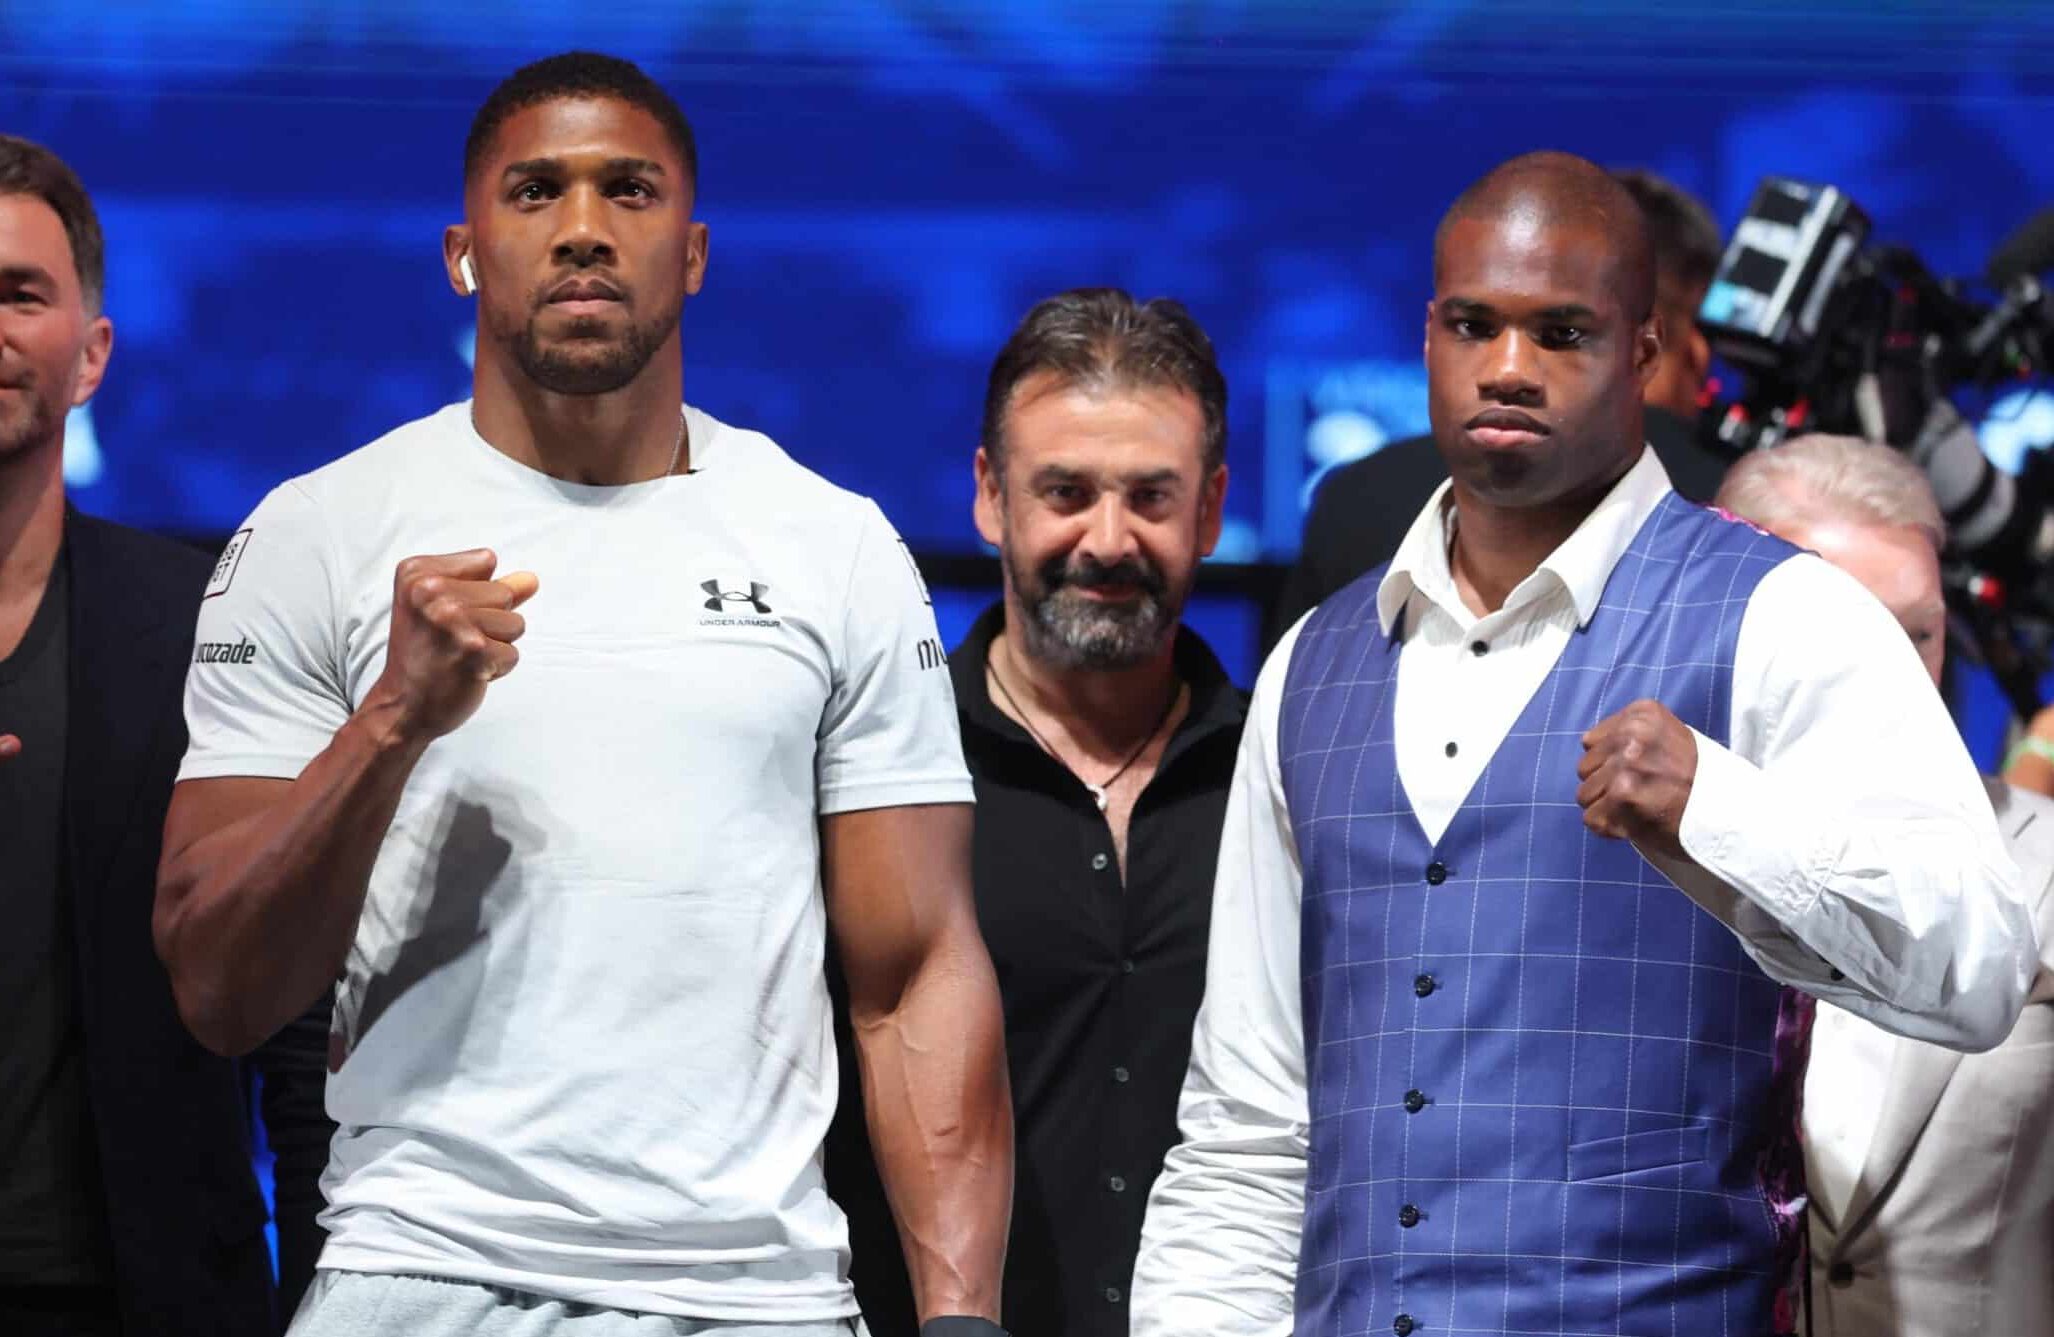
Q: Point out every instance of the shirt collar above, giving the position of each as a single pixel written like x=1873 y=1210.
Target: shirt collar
x=1581 y=564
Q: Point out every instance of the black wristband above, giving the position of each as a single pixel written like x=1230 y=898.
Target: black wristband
x=960 y=1325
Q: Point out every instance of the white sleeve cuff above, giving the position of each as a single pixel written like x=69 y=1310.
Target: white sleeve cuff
x=1734 y=828
x=1779 y=853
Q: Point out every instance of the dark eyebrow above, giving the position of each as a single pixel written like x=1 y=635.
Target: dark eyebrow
x=555 y=167
x=1570 y=313
x=25 y=274
x=1152 y=478
x=1056 y=473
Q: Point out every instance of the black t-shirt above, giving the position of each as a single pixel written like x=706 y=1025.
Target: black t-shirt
x=52 y=1221
x=1101 y=979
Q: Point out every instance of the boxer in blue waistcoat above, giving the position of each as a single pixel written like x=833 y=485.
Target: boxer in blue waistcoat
x=1532 y=833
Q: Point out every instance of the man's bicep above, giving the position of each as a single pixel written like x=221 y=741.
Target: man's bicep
x=199 y=809
x=897 y=883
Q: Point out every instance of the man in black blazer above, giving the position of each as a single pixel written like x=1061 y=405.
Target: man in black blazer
x=1363 y=508
x=127 y=1202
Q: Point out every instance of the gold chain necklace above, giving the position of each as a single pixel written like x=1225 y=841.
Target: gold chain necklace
x=677 y=448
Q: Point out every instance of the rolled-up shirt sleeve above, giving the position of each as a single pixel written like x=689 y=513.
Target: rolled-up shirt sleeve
x=1219 y=1248
x=1844 y=835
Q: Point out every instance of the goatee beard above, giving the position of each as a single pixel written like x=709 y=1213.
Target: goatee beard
x=1067 y=630
x=600 y=366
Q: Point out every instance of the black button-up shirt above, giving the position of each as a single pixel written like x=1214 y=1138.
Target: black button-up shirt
x=1101 y=984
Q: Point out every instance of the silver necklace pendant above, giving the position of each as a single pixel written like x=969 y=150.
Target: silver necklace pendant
x=1098 y=794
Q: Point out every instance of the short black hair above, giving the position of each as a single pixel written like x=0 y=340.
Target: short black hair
x=1565 y=189
x=1687 y=242
x=1102 y=337
x=576 y=74
x=27 y=168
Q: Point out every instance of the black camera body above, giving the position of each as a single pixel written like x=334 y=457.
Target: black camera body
x=1836 y=335
x=1766 y=307
x=1833 y=334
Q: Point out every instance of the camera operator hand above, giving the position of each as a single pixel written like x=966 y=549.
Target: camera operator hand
x=2030 y=764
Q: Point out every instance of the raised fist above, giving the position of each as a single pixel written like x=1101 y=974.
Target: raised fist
x=1637 y=770
x=453 y=629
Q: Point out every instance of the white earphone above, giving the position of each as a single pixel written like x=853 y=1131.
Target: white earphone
x=463 y=269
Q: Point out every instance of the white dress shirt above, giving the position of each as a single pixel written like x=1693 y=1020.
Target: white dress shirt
x=1844 y=837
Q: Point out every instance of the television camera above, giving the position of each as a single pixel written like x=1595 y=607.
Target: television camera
x=1830 y=333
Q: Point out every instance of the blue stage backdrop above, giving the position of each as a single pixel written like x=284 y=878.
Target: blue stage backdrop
x=891 y=185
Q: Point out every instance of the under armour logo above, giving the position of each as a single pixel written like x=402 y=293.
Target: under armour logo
x=753 y=596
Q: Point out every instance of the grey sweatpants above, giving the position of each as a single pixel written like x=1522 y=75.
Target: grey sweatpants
x=364 y=1304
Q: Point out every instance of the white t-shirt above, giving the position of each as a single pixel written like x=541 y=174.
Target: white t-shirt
x=583 y=1030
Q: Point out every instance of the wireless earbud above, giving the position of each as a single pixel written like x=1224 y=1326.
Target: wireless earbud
x=464 y=270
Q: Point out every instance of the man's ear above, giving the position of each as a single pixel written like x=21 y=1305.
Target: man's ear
x=990 y=505
x=456 y=244
x=1212 y=511
x=1648 y=342
x=92 y=359
x=696 y=243
x=1697 y=355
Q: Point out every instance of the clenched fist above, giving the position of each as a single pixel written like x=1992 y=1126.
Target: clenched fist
x=453 y=629
x=9 y=745
x=1637 y=770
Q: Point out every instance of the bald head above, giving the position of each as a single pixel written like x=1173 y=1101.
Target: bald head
x=1540 y=340
x=1554 y=192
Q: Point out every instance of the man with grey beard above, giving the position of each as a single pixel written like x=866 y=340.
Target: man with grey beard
x=1101 y=736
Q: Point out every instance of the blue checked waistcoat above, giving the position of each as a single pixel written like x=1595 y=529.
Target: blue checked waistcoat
x=1548 y=1093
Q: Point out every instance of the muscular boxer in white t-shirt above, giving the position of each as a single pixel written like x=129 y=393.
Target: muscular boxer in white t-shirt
x=549 y=720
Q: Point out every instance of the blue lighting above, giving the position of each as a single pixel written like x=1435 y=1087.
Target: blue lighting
x=889 y=188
